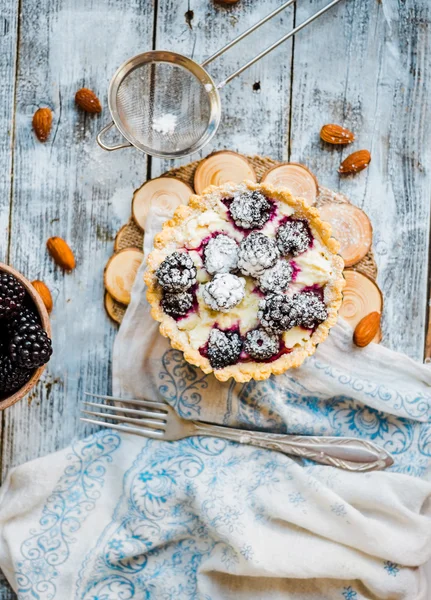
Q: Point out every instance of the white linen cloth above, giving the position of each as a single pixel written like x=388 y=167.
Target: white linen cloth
x=119 y=517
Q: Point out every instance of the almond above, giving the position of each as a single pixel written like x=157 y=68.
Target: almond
x=42 y=123
x=88 y=101
x=44 y=293
x=61 y=253
x=355 y=162
x=335 y=134
x=367 y=329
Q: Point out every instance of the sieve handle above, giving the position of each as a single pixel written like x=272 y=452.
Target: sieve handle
x=270 y=48
x=102 y=143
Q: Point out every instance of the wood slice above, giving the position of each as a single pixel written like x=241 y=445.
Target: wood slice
x=361 y=297
x=367 y=265
x=114 y=309
x=120 y=273
x=163 y=194
x=222 y=167
x=129 y=236
x=351 y=227
x=299 y=180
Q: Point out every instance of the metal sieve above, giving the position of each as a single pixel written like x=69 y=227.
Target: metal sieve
x=167 y=105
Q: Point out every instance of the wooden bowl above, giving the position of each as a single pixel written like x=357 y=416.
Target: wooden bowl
x=7 y=401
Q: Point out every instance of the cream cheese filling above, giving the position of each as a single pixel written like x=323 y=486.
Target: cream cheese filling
x=314 y=268
x=244 y=316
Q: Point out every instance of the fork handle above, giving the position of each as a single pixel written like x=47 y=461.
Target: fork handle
x=351 y=454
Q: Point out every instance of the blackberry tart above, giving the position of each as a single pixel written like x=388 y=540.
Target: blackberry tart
x=245 y=280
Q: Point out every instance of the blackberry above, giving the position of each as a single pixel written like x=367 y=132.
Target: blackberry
x=4 y=338
x=177 y=305
x=308 y=309
x=224 y=348
x=293 y=237
x=261 y=344
x=224 y=292
x=275 y=313
x=29 y=346
x=280 y=313
x=221 y=254
x=277 y=278
x=12 y=295
x=257 y=252
x=12 y=377
x=250 y=210
x=177 y=273
x=25 y=317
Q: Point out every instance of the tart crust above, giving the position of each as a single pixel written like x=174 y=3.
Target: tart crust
x=168 y=239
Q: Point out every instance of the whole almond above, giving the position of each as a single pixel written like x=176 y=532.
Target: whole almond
x=88 y=101
x=61 y=253
x=355 y=162
x=335 y=134
x=42 y=123
x=367 y=329
x=44 y=293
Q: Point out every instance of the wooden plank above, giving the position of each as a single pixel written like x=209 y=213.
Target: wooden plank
x=71 y=188
x=8 y=42
x=8 y=47
x=255 y=106
x=367 y=66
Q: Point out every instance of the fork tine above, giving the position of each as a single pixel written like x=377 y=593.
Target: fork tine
x=155 y=434
x=146 y=403
x=151 y=423
x=130 y=411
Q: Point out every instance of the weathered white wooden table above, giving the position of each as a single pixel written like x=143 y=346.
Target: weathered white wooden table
x=365 y=64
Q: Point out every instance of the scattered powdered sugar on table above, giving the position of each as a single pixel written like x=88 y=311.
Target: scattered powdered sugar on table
x=165 y=123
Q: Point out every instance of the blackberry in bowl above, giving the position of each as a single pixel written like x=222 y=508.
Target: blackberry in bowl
x=25 y=330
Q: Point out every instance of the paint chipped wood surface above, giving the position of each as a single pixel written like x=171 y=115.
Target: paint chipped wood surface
x=364 y=65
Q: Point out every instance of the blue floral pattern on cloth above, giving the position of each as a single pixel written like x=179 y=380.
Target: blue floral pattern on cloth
x=182 y=384
x=185 y=502
x=349 y=593
x=181 y=503
x=284 y=404
x=414 y=406
x=71 y=502
x=291 y=409
x=391 y=568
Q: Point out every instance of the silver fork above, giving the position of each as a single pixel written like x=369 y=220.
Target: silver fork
x=159 y=421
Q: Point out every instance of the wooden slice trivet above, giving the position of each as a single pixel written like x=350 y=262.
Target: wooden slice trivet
x=114 y=309
x=221 y=167
x=186 y=173
x=120 y=273
x=367 y=265
x=351 y=227
x=361 y=296
x=296 y=178
x=164 y=192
